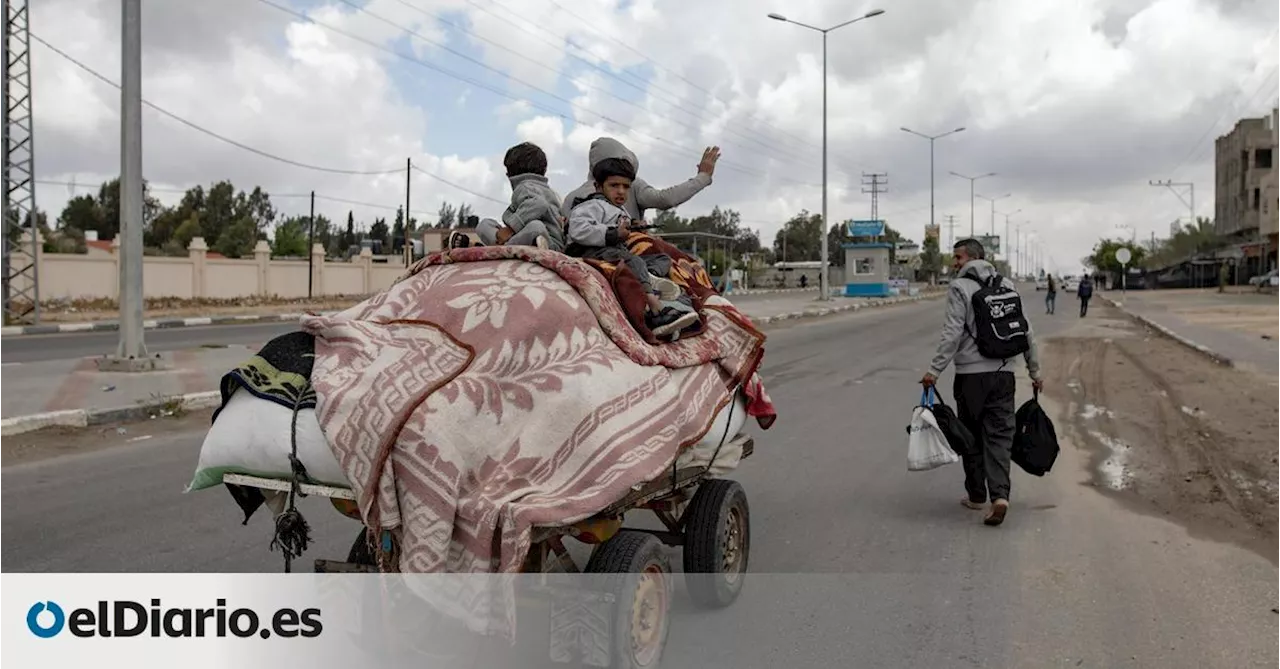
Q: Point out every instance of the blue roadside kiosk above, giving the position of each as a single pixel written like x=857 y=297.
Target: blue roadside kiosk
x=867 y=260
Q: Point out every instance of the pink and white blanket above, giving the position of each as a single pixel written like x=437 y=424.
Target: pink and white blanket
x=497 y=389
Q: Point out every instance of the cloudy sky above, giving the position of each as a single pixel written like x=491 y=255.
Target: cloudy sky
x=1075 y=104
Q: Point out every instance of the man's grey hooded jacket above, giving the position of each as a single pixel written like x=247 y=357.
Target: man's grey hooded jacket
x=957 y=344
x=643 y=196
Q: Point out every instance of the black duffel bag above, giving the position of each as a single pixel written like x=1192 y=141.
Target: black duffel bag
x=1035 y=442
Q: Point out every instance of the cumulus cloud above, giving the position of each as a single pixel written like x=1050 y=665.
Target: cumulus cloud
x=1074 y=105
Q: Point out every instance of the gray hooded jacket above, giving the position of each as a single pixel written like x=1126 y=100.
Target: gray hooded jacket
x=957 y=344
x=532 y=199
x=594 y=223
x=643 y=196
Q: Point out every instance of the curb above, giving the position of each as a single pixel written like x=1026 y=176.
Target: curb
x=155 y=324
x=90 y=417
x=1199 y=348
x=80 y=418
x=167 y=323
x=767 y=291
x=856 y=306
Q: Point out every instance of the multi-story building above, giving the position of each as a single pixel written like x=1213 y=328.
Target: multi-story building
x=1244 y=166
x=1271 y=202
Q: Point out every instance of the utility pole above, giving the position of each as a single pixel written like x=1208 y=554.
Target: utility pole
x=408 y=184
x=311 y=243
x=1172 y=186
x=951 y=229
x=878 y=183
x=19 y=258
x=131 y=355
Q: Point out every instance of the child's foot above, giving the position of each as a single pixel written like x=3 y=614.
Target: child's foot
x=459 y=240
x=667 y=289
x=541 y=242
x=669 y=320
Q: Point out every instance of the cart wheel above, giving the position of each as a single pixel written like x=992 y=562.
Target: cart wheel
x=640 y=581
x=717 y=543
x=361 y=551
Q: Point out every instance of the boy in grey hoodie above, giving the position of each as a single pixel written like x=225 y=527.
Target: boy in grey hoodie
x=598 y=229
x=642 y=196
x=984 y=387
x=533 y=218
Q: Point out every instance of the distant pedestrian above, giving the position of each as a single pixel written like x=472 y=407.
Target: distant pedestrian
x=1051 y=294
x=804 y=281
x=1084 y=292
x=983 y=344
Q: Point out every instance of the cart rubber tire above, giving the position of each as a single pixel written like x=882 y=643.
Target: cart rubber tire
x=361 y=552
x=634 y=567
x=717 y=543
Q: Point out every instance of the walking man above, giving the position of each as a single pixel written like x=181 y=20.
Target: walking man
x=1084 y=292
x=1050 y=295
x=983 y=332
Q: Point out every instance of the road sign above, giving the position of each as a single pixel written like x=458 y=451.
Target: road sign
x=990 y=243
x=866 y=228
x=1123 y=256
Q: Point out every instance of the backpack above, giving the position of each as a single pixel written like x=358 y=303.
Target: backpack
x=1035 y=442
x=1000 y=328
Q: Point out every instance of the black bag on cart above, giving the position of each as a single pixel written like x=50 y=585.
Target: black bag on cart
x=1035 y=442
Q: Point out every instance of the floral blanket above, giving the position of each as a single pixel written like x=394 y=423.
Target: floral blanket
x=492 y=390
x=685 y=272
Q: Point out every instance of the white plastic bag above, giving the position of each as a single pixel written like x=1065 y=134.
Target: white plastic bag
x=927 y=446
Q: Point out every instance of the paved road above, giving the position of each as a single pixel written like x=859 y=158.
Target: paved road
x=34 y=348
x=856 y=561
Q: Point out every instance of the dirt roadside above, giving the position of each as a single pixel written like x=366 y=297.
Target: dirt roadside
x=1171 y=432
x=56 y=442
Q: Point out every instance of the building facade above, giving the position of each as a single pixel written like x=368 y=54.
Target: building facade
x=1271 y=202
x=1244 y=166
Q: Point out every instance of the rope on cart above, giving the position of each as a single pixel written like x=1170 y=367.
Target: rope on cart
x=293 y=534
x=727 y=423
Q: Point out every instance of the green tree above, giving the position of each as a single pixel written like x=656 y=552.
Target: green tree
x=930 y=258
x=1104 y=255
x=800 y=238
x=291 y=237
x=380 y=232
x=446 y=217
x=464 y=212
x=238 y=240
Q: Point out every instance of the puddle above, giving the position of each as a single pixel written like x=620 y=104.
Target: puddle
x=1114 y=469
x=1090 y=412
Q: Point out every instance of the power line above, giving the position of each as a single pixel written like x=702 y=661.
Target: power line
x=260 y=152
x=647 y=88
x=782 y=152
x=677 y=74
x=1226 y=109
x=498 y=91
x=280 y=196
x=208 y=132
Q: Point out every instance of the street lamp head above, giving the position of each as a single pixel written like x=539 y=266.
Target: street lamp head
x=777 y=17
x=874 y=12
x=960 y=129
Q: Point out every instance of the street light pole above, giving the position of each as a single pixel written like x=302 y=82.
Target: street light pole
x=972 y=181
x=993 y=201
x=824 y=279
x=931 y=139
x=1004 y=243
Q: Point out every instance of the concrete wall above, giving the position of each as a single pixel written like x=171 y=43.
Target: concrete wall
x=96 y=275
